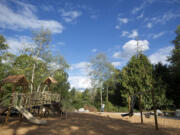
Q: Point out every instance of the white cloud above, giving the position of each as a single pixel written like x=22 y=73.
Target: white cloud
x=134 y=34
x=161 y=55
x=166 y=17
x=17 y=43
x=158 y=35
x=117 y=54
x=116 y=64
x=78 y=75
x=94 y=50
x=132 y=45
x=123 y=20
x=162 y=19
x=142 y=5
x=140 y=16
x=137 y=9
x=149 y=25
x=130 y=49
x=117 y=27
x=80 y=82
x=80 y=65
x=124 y=33
x=25 y=18
x=145 y=3
x=70 y=16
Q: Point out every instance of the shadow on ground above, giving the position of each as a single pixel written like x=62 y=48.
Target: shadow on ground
x=84 y=124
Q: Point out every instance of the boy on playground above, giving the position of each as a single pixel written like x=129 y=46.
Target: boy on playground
x=102 y=107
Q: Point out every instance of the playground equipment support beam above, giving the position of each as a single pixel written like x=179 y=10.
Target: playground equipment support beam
x=140 y=108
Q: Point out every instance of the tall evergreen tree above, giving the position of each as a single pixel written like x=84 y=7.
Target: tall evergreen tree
x=137 y=75
x=175 y=66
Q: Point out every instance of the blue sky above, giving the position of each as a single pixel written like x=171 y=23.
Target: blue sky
x=82 y=28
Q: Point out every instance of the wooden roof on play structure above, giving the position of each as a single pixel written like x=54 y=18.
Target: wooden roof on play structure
x=50 y=80
x=15 y=79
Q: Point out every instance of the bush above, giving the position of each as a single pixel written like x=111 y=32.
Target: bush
x=91 y=108
x=67 y=106
x=109 y=107
x=123 y=109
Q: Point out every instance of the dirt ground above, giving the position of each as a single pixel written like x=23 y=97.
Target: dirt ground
x=93 y=124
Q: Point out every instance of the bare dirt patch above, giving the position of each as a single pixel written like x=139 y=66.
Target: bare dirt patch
x=93 y=124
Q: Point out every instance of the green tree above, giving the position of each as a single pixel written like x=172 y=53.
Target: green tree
x=39 y=51
x=3 y=45
x=175 y=67
x=100 y=70
x=116 y=89
x=162 y=81
x=3 y=59
x=137 y=76
x=23 y=64
x=86 y=97
x=63 y=85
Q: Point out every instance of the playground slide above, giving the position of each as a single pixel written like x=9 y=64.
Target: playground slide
x=29 y=116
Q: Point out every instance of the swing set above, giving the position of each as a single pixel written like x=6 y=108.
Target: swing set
x=132 y=103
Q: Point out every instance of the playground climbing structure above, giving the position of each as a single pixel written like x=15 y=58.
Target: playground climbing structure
x=25 y=101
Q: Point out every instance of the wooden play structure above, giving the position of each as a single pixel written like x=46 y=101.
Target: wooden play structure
x=27 y=102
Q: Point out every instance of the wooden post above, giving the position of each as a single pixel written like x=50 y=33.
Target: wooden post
x=49 y=87
x=10 y=105
x=155 y=114
x=140 y=108
x=66 y=115
x=20 y=118
x=129 y=98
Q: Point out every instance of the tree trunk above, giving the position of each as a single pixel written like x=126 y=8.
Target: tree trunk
x=44 y=88
x=129 y=106
x=155 y=113
x=107 y=97
x=32 y=78
x=34 y=66
x=101 y=96
x=38 y=88
x=140 y=108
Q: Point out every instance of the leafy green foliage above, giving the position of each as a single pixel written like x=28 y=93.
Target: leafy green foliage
x=3 y=45
x=175 y=69
x=100 y=71
x=63 y=85
x=137 y=75
x=115 y=89
x=101 y=68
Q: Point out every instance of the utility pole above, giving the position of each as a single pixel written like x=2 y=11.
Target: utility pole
x=138 y=49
